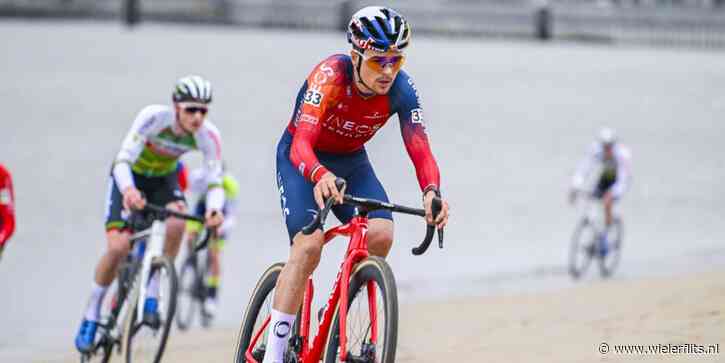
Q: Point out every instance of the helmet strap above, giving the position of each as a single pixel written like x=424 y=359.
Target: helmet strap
x=357 y=69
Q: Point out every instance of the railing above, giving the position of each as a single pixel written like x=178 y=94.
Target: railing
x=697 y=23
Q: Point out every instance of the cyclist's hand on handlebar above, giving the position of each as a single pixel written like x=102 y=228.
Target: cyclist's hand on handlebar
x=214 y=218
x=442 y=218
x=326 y=188
x=132 y=199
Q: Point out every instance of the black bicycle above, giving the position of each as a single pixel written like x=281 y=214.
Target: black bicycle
x=124 y=328
x=593 y=240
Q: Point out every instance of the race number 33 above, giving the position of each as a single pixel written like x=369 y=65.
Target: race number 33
x=313 y=97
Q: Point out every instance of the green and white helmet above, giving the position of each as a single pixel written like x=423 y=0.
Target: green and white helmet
x=192 y=89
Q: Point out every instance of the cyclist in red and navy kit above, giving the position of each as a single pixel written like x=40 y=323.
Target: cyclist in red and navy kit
x=7 y=209
x=341 y=105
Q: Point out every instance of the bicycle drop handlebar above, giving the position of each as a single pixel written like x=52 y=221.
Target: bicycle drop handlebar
x=371 y=205
x=140 y=221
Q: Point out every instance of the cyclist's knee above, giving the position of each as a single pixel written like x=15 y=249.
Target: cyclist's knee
x=174 y=223
x=380 y=236
x=306 y=251
x=118 y=243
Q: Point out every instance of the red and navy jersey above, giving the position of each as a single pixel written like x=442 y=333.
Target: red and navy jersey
x=331 y=116
x=7 y=209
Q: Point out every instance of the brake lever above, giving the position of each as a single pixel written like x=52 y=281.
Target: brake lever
x=319 y=220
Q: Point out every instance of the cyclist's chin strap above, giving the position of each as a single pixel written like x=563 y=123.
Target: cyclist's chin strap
x=357 y=70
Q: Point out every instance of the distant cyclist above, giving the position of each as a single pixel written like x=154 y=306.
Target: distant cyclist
x=7 y=208
x=146 y=169
x=198 y=187
x=614 y=161
x=343 y=102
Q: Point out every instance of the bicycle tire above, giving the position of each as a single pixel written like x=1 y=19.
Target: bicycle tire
x=372 y=269
x=104 y=346
x=609 y=262
x=580 y=246
x=187 y=302
x=130 y=330
x=103 y=357
x=265 y=285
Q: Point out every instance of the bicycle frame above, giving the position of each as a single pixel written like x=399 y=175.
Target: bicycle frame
x=357 y=250
x=154 y=248
x=119 y=315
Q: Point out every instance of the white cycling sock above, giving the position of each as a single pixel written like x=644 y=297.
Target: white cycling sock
x=93 y=308
x=280 y=327
x=152 y=289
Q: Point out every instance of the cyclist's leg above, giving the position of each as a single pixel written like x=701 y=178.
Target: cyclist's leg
x=362 y=182
x=298 y=207
x=193 y=228
x=214 y=254
x=604 y=193
x=213 y=279
x=117 y=238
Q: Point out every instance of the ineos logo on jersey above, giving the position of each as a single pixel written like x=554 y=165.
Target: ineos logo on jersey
x=281 y=329
x=351 y=129
x=313 y=97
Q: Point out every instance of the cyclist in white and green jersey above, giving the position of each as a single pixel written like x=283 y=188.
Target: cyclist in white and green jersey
x=147 y=164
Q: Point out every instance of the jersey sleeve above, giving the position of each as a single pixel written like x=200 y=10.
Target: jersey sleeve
x=7 y=209
x=209 y=143
x=624 y=164
x=406 y=103
x=585 y=167
x=145 y=122
x=323 y=88
x=231 y=205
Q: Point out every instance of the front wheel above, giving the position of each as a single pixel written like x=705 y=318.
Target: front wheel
x=146 y=341
x=583 y=248
x=372 y=316
x=609 y=258
x=189 y=292
x=258 y=311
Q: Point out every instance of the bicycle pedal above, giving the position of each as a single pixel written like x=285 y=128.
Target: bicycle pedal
x=295 y=345
x=258 y=353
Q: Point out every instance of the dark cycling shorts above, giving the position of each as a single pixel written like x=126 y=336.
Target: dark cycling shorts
x=160 y=190
x=297 y=198
x=605 y=183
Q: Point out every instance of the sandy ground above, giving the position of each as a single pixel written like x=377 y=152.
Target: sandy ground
x=560 y=326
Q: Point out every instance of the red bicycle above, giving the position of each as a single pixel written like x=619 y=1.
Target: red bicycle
x=366 y=327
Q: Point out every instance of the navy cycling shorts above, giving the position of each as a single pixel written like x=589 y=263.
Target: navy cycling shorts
x=297 y=198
